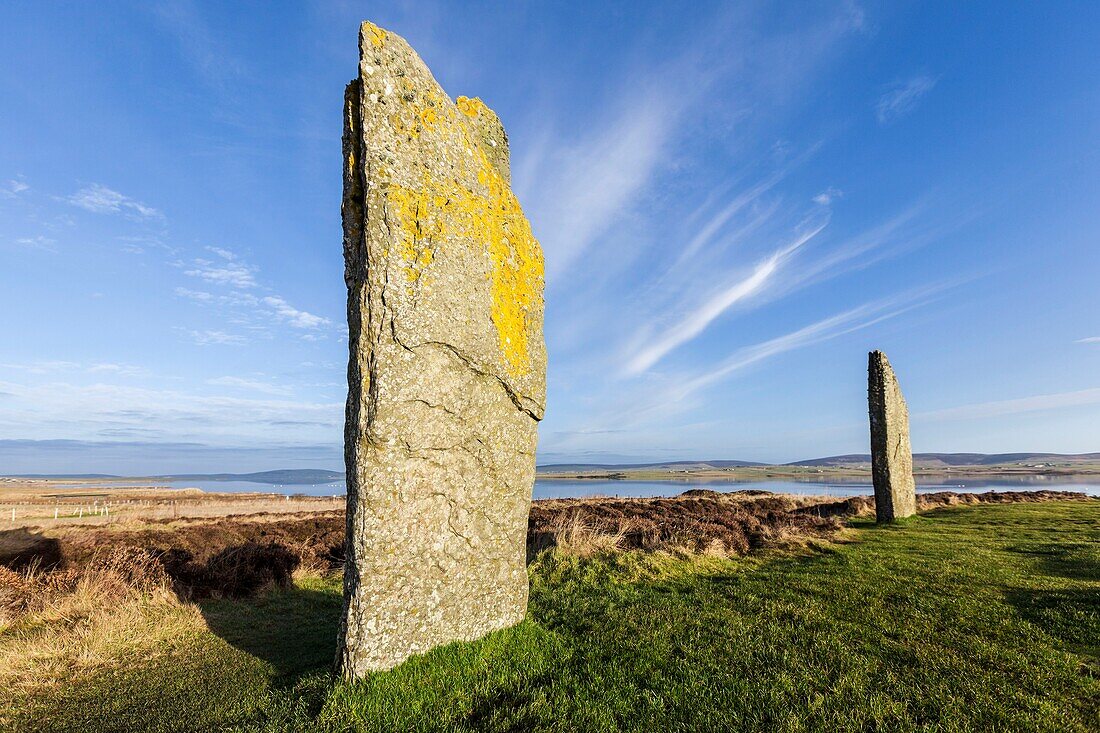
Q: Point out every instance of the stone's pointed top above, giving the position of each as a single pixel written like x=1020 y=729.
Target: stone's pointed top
x=371 y=34
x=490 y=134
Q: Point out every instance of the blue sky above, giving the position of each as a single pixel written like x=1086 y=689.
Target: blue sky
x=736 y=201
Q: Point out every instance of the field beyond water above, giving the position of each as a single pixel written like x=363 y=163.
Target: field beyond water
x=968 y=618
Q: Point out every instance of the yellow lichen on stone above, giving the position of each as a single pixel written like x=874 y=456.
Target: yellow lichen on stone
x=376 y=34
x=421 y=217
x=409 y=129
x=517 y=268
x=428 y=116
x=441 y=210
x=469 y=107
x=353 y=132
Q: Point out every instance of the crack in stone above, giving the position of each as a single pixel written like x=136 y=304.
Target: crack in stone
x=443 y=408
x=516 y=398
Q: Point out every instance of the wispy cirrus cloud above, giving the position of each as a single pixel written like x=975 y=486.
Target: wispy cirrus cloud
x=12 y=188
x=221 y=338
x=234 y=273
x=722 y=217
x=902 y=98
x=99 y=199
x=1034 y=403
x=292 y=316
x=38 y=242
x=61 y=366
x=1088 y=340
x=228 y=270
x=585 y=185
x=827 y=196
x=198 y=42
x=249 y=384
x=655 y=404
x=267 y=307
x=232 y=298
x=828 y=328
x=61 y=407
x=696 y=321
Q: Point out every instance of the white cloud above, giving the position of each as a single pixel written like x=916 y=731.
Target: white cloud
x=854 y=14
x=1035 y=403
x=249 y=384
x=230 y=273
x=43 y=367
x=291 y=315
x=823 y=330
x=902 y=98
x=722 y=217
x=233 y=298
x=225 y=254
x=1089 y=340
x=102 y=200
x=827 y=196
x=59 y=366
x=199 y=44
x=596 y=179
x=124 y=370
x=206 y=338
x=11 y=188
x=199 y=295
x=61 y=408
x=234 y=273
x=695 y=322
x=39 y=242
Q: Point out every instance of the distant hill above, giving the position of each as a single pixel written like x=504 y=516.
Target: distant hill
x=284 y=476
x=935 y=460
x=669 y=465
x=77 y=476
x=920 y=460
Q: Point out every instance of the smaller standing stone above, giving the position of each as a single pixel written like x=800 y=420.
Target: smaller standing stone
x=891 y=454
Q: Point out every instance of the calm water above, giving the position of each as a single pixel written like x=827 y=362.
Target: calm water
x=839 y=488
x=560 y=489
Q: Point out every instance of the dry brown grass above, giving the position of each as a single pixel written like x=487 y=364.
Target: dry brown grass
x=573 y=533
x=57 y=625
x=864 y=506
x=697 y=522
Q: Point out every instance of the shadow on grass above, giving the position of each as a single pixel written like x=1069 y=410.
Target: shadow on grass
x=292 y=630
x=280 y=642
x=21 y=549
x=1071 y=616
x=508 y=710
x=1073 y=561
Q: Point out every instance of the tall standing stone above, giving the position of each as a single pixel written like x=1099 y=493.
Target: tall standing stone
x=447 y=370
x=891 y=454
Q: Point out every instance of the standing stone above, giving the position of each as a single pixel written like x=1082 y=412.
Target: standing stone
x=447 y=370
x=891 y=454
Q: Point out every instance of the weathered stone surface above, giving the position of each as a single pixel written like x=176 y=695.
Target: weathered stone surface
x=891 y=454
x=447 y=365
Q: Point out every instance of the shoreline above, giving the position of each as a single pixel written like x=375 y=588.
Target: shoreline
x=796 y=473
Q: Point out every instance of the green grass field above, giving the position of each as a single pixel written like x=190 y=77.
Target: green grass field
x=975 y=619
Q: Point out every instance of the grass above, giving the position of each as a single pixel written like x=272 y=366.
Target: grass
x=974 y=619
